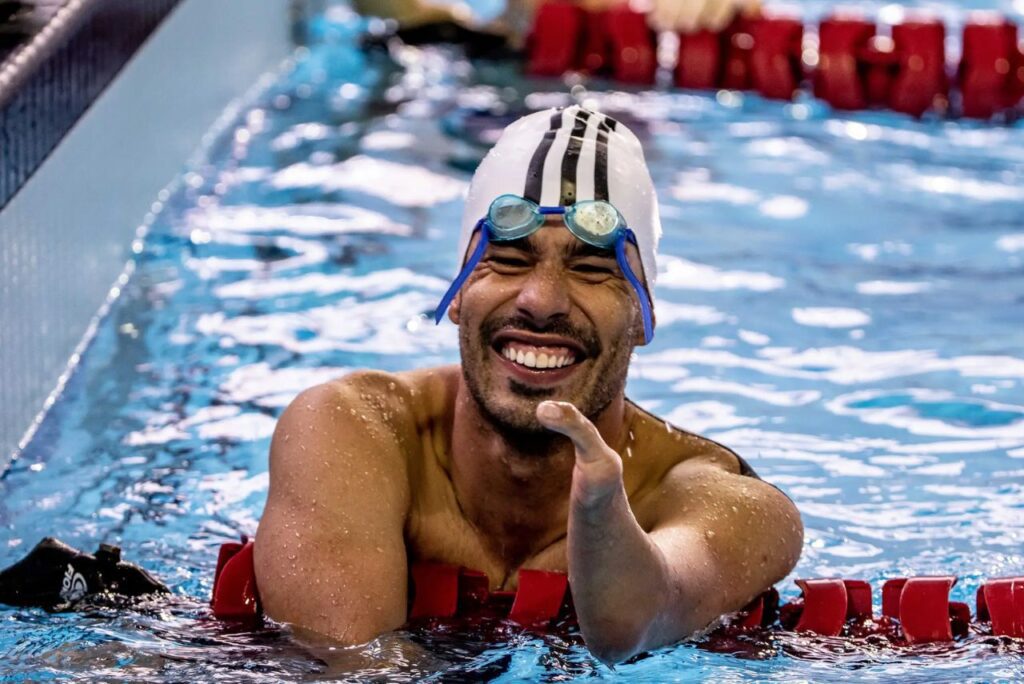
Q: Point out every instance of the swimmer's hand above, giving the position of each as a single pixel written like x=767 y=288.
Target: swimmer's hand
x=598 y=472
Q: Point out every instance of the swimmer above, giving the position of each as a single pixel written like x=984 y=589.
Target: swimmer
x=527 y=454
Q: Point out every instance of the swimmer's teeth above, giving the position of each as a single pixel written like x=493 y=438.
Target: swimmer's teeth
x=534 y=360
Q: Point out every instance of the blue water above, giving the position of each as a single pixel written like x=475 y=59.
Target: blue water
x=841 y=300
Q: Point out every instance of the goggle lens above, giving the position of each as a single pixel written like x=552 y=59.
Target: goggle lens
x=595 y=222
x=512 y=217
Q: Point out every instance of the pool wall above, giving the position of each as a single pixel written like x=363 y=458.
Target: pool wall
x=71 y=51
x=66 y=237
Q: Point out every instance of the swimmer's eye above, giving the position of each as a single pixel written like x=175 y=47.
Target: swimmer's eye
x=508 y=261
x=593 y=269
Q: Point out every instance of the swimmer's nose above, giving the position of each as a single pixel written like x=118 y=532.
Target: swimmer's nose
x=544 y=296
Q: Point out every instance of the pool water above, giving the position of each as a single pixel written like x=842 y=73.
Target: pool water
x=840 y=299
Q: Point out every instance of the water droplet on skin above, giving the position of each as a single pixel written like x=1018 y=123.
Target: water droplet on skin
x=287 y=437
x=391 y=386
x=709 y=534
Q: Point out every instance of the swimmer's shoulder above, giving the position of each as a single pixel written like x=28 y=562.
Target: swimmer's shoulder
x=406 y=399
x=403 y=413
x=667 y=445
x=413 y=402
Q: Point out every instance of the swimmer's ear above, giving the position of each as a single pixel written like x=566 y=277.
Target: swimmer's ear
x=454 y=309
x=638 y=327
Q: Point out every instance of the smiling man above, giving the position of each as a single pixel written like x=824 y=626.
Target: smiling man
x=528 y=455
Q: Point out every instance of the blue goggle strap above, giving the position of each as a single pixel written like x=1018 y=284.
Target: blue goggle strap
x=641 y=292
x=471 y=263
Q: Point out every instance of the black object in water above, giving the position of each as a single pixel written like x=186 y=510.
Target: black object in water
x=476 y=44
x=56 y=576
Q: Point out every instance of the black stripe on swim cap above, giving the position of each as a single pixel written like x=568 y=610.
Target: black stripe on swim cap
x=571 y=159
x=535 y=172
x=601 y=158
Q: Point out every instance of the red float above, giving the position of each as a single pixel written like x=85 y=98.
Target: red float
x=1001 y=602
x=700 y=60
x=775 y=57
x=989 y=68
x=235 y=596
x=736 y=75
x=557 y=31
x=920 y=83
x=595 y=57
x=841 y=74
x=633 y=46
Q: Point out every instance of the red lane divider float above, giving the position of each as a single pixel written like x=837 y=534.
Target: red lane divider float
x=565 y=37
x=915 y=610
x=856 y=67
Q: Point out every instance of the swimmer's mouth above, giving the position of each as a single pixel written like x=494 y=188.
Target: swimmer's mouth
x=537 y=352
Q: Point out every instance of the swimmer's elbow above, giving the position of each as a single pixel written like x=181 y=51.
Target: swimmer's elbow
x=793 y=535
x=616 y=640
x=349 y=634
x=611 y=653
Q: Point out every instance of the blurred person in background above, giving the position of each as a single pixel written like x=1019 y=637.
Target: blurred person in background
x=514 y=23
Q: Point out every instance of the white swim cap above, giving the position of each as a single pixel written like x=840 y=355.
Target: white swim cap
x=558 y=157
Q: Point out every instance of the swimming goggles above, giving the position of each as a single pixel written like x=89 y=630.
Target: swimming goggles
x=596 y=222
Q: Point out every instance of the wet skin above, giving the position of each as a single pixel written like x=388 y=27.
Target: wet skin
x=497 y=466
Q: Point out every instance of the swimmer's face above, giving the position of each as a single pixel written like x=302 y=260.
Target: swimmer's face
x=548 y=299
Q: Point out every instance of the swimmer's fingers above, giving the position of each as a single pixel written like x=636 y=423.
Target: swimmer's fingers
x=563 y=417
x=598 y=469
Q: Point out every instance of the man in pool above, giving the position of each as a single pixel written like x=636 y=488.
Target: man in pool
x=527 y=455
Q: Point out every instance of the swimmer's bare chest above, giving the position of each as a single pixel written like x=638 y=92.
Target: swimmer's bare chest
x=437 y=528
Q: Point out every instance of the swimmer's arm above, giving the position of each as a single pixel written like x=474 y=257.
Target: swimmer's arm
x=330 y=552
x=716 y=541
